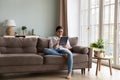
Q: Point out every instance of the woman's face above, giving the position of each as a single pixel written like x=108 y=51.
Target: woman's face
x=59 y=32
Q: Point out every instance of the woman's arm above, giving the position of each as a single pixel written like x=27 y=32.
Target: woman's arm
x=57 y=43
x=53 y=42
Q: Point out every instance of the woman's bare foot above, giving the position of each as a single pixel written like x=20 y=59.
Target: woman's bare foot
x=69 y=76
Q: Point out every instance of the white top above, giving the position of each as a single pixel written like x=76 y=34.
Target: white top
x=53 y=41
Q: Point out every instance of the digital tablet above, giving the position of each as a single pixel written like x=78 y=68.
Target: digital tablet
x=63 y=40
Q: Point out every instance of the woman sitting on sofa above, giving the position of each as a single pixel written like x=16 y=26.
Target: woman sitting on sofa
x=56 y=49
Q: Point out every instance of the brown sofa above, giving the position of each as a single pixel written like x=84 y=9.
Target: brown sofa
x=26 y=55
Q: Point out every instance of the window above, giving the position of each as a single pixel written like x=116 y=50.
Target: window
x=108 y=26
x=94 y=20
x=84 y=25
x=97 y=20
x=89 y=19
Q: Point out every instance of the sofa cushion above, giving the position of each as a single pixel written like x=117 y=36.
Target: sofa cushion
x=55 y=59
x=20 y=59
x=2 y=42
x=2 y=45
x=73 y=41
x=2 y=50
x=42 y=43
x=18 y=45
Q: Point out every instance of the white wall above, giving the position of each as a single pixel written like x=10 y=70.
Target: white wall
x=40 y=15
x=73 y=17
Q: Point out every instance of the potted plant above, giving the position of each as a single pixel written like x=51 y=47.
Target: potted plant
x=24 y=29
x=98 y=48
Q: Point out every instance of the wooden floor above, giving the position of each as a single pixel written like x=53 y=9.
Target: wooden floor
x=104 y=74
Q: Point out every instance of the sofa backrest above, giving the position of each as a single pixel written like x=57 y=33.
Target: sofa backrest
x=18 y=45
x=27 y=45
x=73 y=41
x=44 y=43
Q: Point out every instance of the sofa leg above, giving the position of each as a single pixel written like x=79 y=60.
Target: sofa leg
x=83 y=70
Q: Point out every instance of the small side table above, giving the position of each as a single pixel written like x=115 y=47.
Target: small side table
x=99 y=63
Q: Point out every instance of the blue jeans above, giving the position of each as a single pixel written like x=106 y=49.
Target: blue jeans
x=58 y=51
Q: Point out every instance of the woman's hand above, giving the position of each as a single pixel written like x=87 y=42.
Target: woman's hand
x=65 y=46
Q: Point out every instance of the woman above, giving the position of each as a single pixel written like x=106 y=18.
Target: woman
x=56 y=49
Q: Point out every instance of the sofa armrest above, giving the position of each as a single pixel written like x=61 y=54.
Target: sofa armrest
x=90 y=57
x=80 y=49
x=84 y=50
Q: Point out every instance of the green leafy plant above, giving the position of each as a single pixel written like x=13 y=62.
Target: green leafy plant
x=98 y=47
x=99 y=44
x=24 y=27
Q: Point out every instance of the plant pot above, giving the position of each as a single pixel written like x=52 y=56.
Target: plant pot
x=97 y=53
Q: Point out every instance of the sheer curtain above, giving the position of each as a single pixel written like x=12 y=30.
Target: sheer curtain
x=62 y=18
